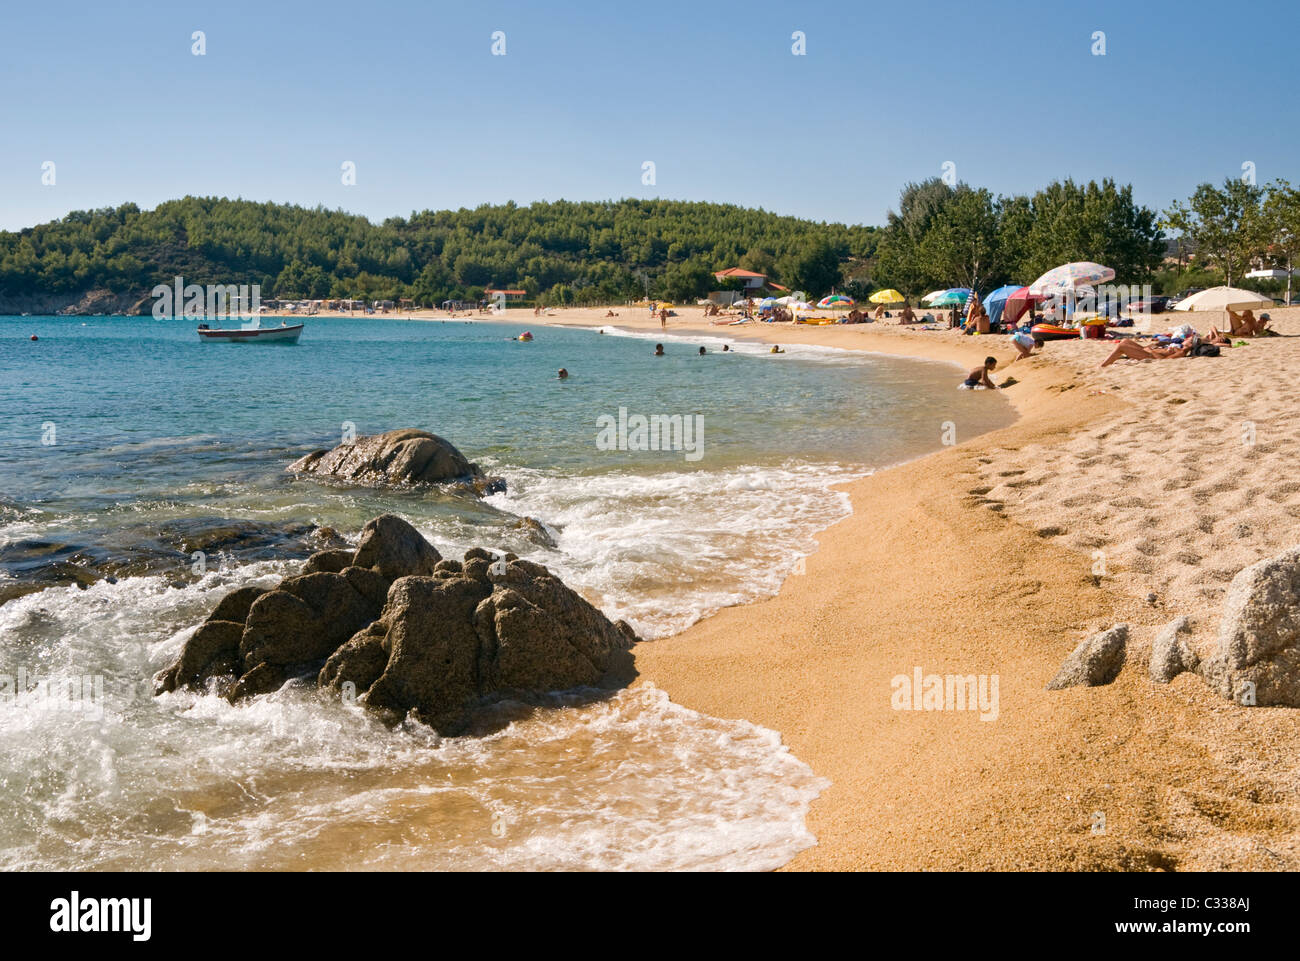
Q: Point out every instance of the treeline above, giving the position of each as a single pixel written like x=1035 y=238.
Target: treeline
x=1232 y=228
x=589 y=252
x=558 y=252
x=960 y=236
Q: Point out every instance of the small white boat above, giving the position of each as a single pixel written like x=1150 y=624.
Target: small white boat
x=257 y=334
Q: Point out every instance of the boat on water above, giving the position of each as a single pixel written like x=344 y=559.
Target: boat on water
x=256 y=334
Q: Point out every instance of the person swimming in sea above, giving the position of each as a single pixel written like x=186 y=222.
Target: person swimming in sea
x=703 y=351
x=726 y=347
x=563 y=374
x=659 y=350
x=979 y=377
x=776 y=349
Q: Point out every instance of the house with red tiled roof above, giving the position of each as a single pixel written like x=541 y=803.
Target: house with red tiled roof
x=754 y=283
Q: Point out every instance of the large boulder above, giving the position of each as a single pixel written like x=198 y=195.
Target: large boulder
x=495 y=627
x=539 y=634
x=396 y=458
x=1257 y=659
x=1096 y=661
x=1170 y=653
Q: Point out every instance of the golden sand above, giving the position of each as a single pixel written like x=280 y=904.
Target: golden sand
x=980 y=559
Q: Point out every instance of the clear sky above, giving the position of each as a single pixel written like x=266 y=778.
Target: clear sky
x=1009 y=92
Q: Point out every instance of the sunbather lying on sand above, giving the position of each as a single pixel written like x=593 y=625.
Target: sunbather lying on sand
x=1244 y=324
x=1135 y=351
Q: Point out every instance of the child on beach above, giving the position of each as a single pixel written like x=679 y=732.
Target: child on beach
x=1024 y=342
x=979 y=377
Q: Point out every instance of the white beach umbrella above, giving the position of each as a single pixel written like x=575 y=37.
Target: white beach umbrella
x=1224 y=298
x=1071 y=277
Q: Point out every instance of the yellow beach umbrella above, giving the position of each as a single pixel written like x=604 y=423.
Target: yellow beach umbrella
x=890 y=296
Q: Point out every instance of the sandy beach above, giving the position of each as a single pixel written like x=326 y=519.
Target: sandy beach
x=980 y=559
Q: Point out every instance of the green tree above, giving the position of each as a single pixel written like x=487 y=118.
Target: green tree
x=1219 y=222
x=814 y=267
x=1278 y=227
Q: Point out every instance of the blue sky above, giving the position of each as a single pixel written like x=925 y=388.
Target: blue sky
x=1009 y=92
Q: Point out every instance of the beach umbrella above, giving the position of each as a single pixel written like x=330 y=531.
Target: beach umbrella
x=767 y=302
x=1013 y=304
x=996 y=302
x=889 y=296
x=835 y=300
x=1070 y=277
x=931 y=295
x=1224 y=298
x=952 y=297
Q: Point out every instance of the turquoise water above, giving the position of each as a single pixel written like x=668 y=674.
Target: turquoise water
x=124 y=442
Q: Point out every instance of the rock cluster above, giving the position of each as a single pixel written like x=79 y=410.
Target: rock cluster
x=1255 y=662
x=406 y=631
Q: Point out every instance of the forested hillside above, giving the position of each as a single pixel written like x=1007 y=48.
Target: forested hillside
x=559 y=252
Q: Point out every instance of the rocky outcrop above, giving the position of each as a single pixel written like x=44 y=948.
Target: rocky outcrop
x=172 y=549
x=1257 y=659
x=1096 y=661
x=397 y=458
x=1170 y=653
x=406 y=631
x=83 y=302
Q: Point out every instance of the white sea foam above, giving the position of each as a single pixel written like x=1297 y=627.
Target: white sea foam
x=297 y=779
x=664 y=550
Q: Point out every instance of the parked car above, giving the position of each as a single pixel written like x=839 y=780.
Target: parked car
x=1182 y=295
x=1148 y=305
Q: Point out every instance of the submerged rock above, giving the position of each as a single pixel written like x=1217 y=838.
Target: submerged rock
x=1257 y=660
x=397 y=458
x=1096 y=661
x=407 y=632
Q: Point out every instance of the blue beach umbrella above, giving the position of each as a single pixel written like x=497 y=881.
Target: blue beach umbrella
x=995 y=302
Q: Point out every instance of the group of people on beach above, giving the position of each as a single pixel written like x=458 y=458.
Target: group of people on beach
x=1184 y=341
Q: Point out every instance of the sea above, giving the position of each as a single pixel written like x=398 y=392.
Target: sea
x=142 y=477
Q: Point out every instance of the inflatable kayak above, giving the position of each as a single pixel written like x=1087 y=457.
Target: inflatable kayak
x=1045 y=332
